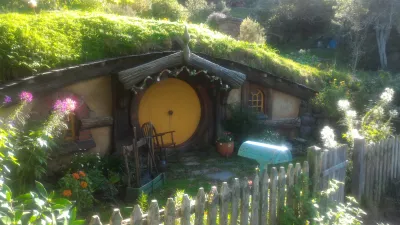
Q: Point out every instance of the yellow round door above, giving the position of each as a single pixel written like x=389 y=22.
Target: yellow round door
x=171 y=105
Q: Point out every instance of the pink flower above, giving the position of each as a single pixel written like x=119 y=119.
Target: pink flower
x=250 y=182
x=65 y=106
x=26 y=96
x=7 y=99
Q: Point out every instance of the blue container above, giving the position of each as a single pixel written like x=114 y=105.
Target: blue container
x=265 y=154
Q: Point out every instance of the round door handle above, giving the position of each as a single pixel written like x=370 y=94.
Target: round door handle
x=170 y=112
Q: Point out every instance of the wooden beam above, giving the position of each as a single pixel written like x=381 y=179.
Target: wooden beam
x=131 y=77
x=283 y=123
x=96 y=122
x=233 y=78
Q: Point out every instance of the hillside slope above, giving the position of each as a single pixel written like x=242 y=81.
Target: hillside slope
x=34 y=43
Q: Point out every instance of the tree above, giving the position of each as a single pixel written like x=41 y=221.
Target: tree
x=353 y=19
x=383 y=13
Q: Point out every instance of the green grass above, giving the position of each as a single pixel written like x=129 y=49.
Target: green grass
x=34 y=43
x=240 y=12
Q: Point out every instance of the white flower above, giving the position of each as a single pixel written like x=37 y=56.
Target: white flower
x=328 y=137
x=393 y=113
x=351 y=114
x=379 y=111
x=355 y=133
x=32 y=3
x=344 y=105
x=387 y=95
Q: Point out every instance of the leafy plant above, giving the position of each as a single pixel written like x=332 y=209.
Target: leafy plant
x=199 y=10
x=168 y=9
x=267 y=135
x=143 y=201
x=252 y=31
x=225 y=137
x=36 y=208
x=77 y=186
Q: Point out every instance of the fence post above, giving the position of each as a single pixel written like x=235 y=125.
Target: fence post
x=358 y=174
x=314 y=154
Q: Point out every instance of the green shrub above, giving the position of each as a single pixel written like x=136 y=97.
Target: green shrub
x=77 y=186
x=241 y=122
x=143 y=201
x=326 y=100
x=169 y=9
x=199 y=10
x=251 y=31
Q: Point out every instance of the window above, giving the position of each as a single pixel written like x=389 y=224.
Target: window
x=256 y=101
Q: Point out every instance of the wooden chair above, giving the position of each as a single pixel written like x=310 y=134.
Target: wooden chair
x=159 y=143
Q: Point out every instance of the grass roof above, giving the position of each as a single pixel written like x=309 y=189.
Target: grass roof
x=32 y=43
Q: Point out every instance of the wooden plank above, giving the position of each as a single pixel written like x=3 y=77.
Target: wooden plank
x=136 y=216
x=385 y=163
x=391 y=158
x=235 y=201
x=273 y=198
x=367 y=166
x=358 y=174
x=255 y=201
x=343 y=158
x=330 y=174
x=305 y=189
x=153 y=217
x=244 y=205
x=116 y=217
x=314 y=157
x=281 y=193
x=380 y=171
x=330 y=171
x=324 y=180
x=264 y=198
x=297 y=184
x=224 y=204
x=185 y=210
x=397 y=150
x=212 y=206
x=95 y=220
x=376 y=168
x=290 y=188
x=170 y=212
x=96 y=122
x=199 y=207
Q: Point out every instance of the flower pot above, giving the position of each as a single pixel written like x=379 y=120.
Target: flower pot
x=225 y=149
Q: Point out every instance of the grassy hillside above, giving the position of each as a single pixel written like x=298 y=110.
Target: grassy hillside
x=32 y=43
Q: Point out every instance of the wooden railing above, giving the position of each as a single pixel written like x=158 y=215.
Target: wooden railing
x=258 y=202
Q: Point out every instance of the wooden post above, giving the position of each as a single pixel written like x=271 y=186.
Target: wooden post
x=199 y=207
x=290 y=185
x=153 y=217
x=244 y=206
x=273 y=196
x=358 y=174
x=116 y=218
x=224 y=204
x=170 y=212
x=315 y=160
x=95 y=220
x=136 y=216
x=281 y=194
x=212 y=206
x=264 y=197
x=235 y=201
x=185 y=210
x=255 y=201
x=297 y=183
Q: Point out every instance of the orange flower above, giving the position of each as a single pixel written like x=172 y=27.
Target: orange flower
x=82 y=174
x=67 y=193
x=84 y=184
x=75 y=175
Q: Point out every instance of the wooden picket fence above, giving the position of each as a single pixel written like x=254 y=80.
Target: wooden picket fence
x=259 y=202
x=327 y=165
x=374 y=167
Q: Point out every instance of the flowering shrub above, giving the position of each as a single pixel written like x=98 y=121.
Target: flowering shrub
x=23 y=154
x=375 y=125
x=77 y=186
x=328 y=137
x=225 y=137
